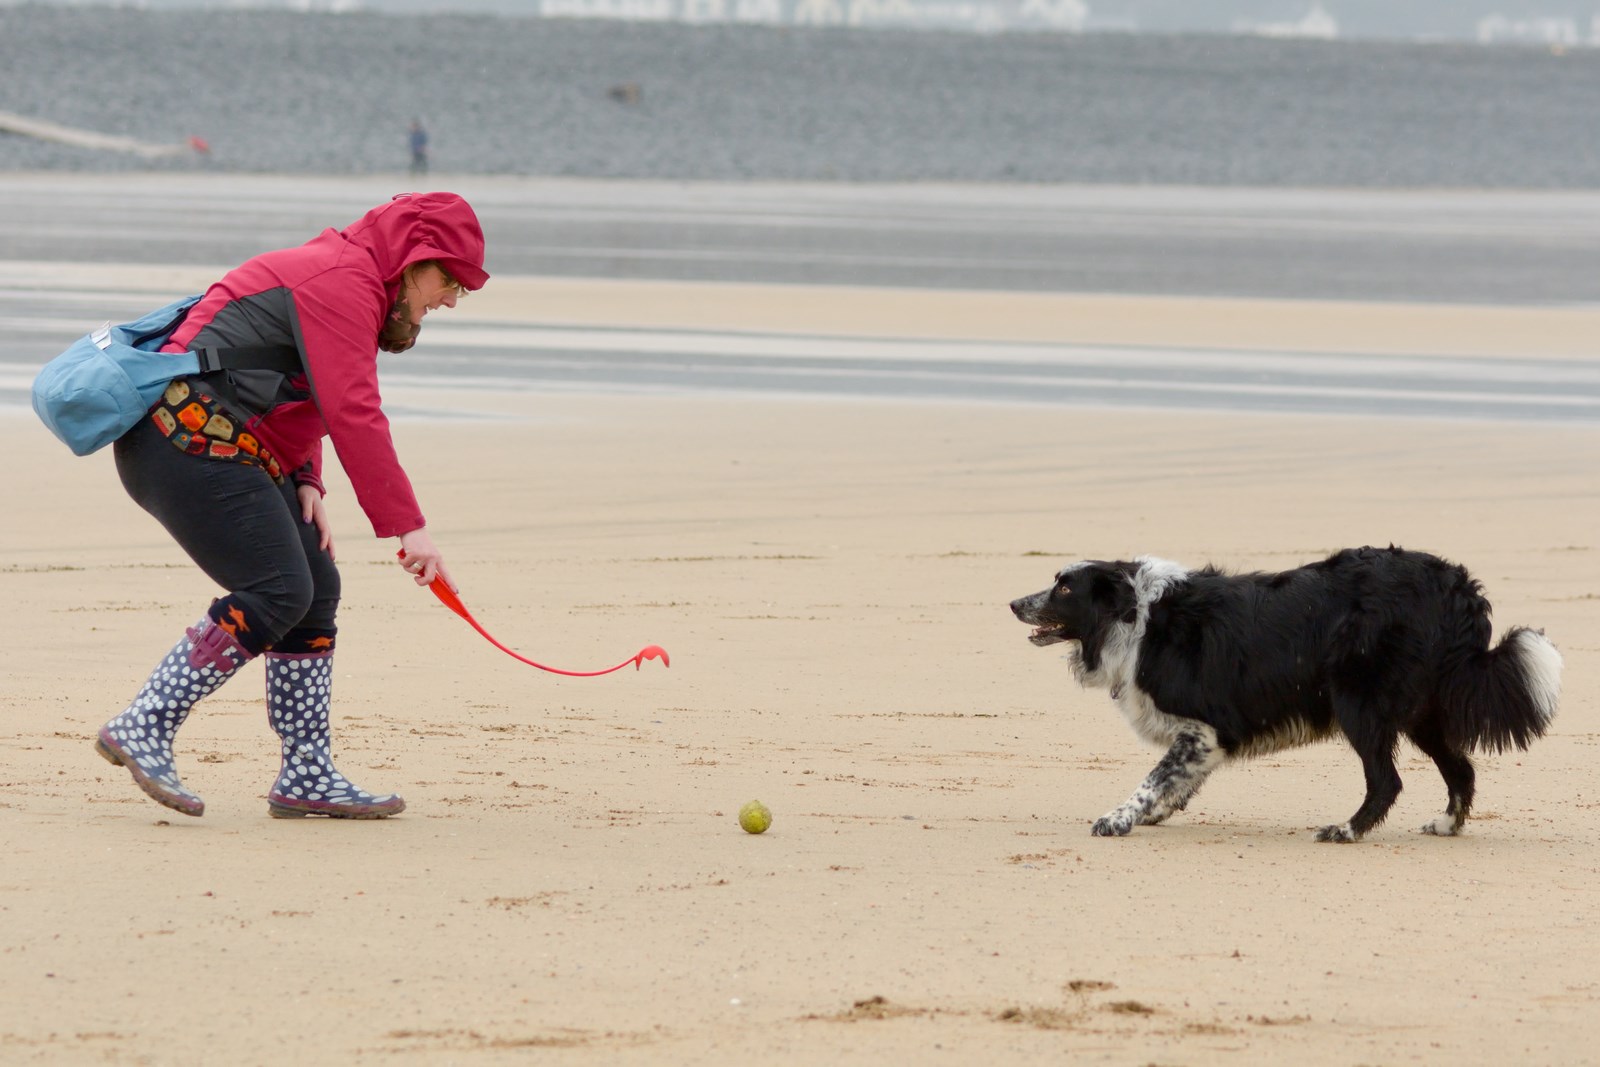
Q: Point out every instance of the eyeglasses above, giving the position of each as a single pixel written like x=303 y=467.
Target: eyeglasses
x=461 y=290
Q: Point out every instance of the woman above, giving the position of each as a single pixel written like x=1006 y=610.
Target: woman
x=229 y=462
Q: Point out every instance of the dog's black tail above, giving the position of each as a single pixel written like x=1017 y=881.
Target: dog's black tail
x=1503 y=697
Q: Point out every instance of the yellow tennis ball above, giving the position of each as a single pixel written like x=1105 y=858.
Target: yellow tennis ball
x=755 y=818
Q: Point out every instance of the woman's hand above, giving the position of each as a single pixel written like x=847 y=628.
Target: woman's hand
x=422 y=560
x=312 y=511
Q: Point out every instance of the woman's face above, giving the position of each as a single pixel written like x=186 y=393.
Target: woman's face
x=428 y=288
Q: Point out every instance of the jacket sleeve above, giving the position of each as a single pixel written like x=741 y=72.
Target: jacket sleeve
x=338 y=314
x=311 y=472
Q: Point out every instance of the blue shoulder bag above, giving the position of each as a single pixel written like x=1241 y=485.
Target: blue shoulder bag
x=105 y=381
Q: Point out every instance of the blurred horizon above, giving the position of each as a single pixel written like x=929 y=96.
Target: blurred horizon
x=1546 y=23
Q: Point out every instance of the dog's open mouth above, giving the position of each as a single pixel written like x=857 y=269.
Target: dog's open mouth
x=1048 y=634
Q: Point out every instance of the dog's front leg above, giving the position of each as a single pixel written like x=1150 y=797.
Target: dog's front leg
x=1166 y=789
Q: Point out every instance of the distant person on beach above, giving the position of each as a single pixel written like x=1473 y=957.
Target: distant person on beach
x=230 y=463
x=419 y=148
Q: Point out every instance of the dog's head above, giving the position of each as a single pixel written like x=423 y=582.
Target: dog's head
x=1083 y=604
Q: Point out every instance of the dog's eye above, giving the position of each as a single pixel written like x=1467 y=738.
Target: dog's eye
x=1063 y=589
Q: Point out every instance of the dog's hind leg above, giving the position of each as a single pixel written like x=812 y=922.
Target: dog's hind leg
x=1455 y=767
x=1166 y=789
x=1375 y=744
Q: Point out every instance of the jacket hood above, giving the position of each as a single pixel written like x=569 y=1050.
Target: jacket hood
x=414 y=227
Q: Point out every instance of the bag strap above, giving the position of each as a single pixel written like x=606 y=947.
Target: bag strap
x=249 y=357
x=281 y=358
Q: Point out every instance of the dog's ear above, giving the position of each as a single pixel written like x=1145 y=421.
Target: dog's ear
x=1111 y=599
x=1112 y=592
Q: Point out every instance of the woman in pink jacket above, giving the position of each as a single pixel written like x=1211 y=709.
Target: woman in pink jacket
x=230 y=461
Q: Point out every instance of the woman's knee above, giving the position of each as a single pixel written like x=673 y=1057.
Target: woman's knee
x=300 y=590
x=326 y=589
x=281 y=600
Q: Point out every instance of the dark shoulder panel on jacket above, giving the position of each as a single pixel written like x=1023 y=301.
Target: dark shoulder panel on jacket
x=263 y=318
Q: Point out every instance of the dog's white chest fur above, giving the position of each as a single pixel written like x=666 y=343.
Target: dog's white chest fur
x=1119 y=657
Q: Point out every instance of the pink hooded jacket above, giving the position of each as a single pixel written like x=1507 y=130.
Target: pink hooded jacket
x=330 y=298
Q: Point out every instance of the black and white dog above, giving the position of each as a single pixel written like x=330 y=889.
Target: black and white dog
x=1371 y=644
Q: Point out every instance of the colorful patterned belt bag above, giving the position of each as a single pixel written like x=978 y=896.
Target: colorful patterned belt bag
x=199 y=424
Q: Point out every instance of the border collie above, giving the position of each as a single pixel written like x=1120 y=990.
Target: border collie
x=1372 y=644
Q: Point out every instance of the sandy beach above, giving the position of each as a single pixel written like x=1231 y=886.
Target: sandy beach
x=569 y=884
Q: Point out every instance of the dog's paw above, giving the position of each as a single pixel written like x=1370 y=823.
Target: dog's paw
x=1342 y=834
x=1114 y=825
x=1443 y=826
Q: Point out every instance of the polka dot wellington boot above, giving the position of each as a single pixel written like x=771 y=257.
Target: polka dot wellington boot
x=140 y=739
x=299 y=689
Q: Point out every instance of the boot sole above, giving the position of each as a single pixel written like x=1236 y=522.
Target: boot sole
x=281 y=810
x=152 y=789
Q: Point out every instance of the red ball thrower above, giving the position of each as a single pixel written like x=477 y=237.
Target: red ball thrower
x=441 y=589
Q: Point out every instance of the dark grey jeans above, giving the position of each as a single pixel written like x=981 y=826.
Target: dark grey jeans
x=243 y=530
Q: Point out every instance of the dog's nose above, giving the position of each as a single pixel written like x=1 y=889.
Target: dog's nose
x=1016 y=607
